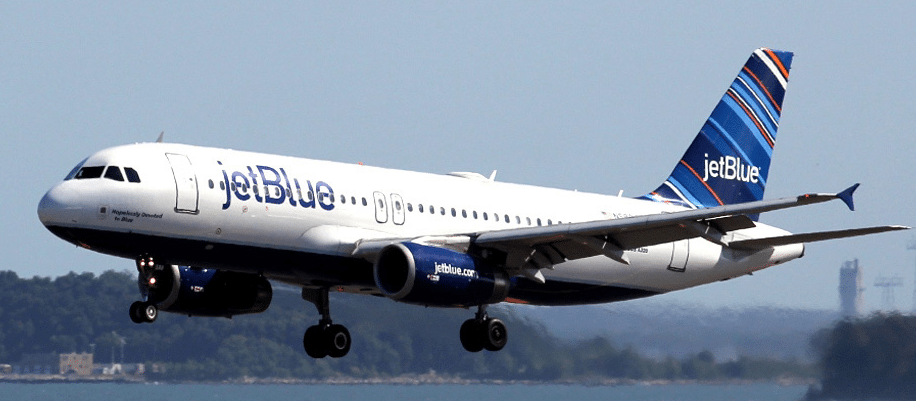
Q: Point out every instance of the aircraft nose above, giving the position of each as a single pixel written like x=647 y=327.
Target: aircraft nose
x=53 y=206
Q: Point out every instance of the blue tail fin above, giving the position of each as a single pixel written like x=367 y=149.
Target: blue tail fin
x=729 y=160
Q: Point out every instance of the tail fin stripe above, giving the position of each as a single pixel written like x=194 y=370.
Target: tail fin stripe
x=778 y=62
x=769 y=78
x=778 y=71
x=752 y=116
x=684 y=197
x=763 y=89
x=700 y=180
x=760 y=106
x=727 y=113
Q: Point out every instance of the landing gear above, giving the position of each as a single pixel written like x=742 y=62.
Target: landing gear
x=143 y=312
x=325 y=338
x=483 y=332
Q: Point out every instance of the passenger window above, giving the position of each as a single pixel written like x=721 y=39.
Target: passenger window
x=409 y=207
x=539 y=221
x=454 y=213
x=420 y=208
x=475 y=215
x=365 y=203
x=277 y=192
x=518 y=220
x=528 y=219
x=485 y=216
x=343 y=199
x=353 y=200
x=254 y=188
x=442 y=211
x=549 y=222
x=222 y=186
x=114 y=173
x=464 y=213
x=89 y=172
x=397 y=206
x=507 y=218
x=211 y=183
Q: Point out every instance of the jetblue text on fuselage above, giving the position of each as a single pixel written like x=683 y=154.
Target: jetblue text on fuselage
x=278 y=188
x=730 y=168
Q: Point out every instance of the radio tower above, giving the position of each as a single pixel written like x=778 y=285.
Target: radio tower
x=887 y=294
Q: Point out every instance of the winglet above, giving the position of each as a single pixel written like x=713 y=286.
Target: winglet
x=846 y=196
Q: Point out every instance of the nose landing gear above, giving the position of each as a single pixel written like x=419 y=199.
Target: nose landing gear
x=144 y=311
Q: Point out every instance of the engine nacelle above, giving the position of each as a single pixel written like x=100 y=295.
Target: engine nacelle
x=425 y=275
x=207 y=292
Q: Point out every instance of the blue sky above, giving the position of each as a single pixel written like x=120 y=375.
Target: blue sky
x=594 y=96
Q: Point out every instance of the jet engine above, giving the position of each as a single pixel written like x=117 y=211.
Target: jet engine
x=203 y=292
x=426 y=275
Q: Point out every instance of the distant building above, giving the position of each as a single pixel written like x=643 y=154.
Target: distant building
x=80 y=364
x=851 y=289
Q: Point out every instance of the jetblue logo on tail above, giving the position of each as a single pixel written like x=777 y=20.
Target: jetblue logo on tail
x=730 y=168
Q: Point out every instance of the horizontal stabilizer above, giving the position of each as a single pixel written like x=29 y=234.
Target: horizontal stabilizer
x=762 y=243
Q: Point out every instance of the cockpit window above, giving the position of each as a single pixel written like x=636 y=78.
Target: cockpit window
x=89 y=172
x=114 y=173
x=131 y=174
x=75 y=170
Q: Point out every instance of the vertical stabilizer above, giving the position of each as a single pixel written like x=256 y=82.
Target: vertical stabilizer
x=729 y=160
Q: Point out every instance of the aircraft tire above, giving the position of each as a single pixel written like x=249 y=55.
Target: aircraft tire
x=136 y=315
x=470 y=335
x=494 y=334
x=313 y=342
x=337 y=340
x=149 y=312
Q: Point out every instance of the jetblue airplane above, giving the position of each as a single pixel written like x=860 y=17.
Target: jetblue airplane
x=209 y=229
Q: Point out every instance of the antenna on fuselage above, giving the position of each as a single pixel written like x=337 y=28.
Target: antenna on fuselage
x=161 y=135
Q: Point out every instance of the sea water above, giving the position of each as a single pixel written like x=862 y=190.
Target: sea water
x=349 y=392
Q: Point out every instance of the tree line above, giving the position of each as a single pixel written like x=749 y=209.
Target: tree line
x=79 y=312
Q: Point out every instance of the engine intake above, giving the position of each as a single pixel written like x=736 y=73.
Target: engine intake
x=425 y=275
x=207 y=292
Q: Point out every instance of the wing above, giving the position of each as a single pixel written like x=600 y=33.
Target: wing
x=528 y=250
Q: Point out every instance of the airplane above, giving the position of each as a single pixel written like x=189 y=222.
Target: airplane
x=209 y=229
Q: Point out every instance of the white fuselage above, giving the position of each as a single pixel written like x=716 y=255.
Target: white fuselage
x=206 y=197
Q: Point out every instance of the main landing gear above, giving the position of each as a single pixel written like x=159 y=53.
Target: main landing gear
x=144 y=311
x=325 y=338
x=483 y=332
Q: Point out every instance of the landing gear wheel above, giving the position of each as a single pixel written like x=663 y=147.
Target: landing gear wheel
x=136 y=315
x=337 y=339
x=324 y=340
x=494 y=335
x=313 y=341
x=470 y=338
x=150 y=312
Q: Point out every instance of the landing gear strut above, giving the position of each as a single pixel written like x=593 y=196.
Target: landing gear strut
x=144 y=311
x=483 y=332
x=325 y=338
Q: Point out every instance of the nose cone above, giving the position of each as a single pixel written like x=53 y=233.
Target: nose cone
x=53 y=208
